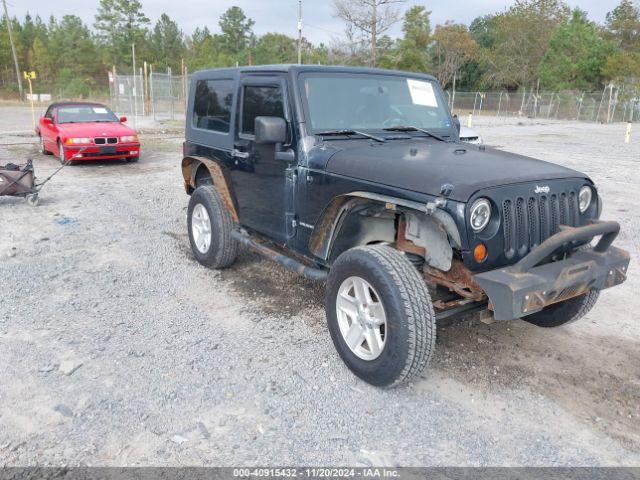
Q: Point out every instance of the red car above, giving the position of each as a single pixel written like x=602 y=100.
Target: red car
x=86 y=131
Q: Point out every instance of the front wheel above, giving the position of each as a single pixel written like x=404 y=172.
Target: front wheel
x=567 y=311
x=380 y=315
x=210 y=225
x=62 y=156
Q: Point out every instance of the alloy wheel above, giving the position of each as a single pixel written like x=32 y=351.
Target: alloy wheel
x=201 y=228
x=361 y=318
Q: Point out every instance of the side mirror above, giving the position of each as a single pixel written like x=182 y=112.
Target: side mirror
x=456 y=123
x=270 y=130
x=123 y=119
x=46 y=120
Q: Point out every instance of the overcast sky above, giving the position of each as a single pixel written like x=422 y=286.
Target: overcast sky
x=280 y=15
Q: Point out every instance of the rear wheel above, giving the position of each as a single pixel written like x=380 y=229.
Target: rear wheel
x=565 y=312
x=43 y=148
x=133 y=159
x=210 y=225
x=380 y=315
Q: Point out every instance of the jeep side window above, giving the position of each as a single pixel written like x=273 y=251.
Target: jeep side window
x=212 y=105
x=260 y=101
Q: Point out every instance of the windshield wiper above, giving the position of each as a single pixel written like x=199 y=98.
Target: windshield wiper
x=411 y=128
x=352 y=132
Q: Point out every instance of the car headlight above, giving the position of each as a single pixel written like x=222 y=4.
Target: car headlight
x=129 y=139
x=584 y=198
x=78 y=141
x=480 y=214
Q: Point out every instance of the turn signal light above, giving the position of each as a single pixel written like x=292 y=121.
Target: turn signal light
x=480 y=253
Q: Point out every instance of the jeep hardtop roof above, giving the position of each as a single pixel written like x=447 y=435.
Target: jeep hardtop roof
x=293 y=68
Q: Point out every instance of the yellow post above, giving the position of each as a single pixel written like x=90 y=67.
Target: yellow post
x=469 y=121
x=627 y=135
x=28 y=77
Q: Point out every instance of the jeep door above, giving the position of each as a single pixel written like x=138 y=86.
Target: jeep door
x=258 y=178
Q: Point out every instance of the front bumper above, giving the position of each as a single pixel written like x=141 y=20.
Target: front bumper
x=526 y=288
x=79 y=153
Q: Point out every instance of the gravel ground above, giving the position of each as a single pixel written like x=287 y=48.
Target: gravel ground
x=117 y=348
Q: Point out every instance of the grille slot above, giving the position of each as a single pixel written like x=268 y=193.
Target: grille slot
x=105 y=140
x=527 y=222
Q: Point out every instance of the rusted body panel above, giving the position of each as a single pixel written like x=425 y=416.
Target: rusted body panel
x=221 y=180
x=458 y=279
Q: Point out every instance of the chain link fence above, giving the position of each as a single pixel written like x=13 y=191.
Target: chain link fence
x=158 y=95
x=611 y=105
x=163 y=97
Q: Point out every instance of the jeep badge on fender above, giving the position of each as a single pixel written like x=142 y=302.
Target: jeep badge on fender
x=357 y=178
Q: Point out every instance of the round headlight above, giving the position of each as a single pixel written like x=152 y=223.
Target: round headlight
x=584 y=198
x=480 y=214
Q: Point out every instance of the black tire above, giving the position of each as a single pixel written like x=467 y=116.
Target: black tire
x=411 y=327
x=223 y=249
x=563 y=313
x=133 y=159
x=61 y=153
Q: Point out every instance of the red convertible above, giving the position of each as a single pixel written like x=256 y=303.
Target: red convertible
x=86 y=131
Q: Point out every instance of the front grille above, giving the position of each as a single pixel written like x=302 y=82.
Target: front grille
x=105 y=140
x=527 y=222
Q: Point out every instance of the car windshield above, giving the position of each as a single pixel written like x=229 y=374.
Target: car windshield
x=85 y=113
x=348 y=101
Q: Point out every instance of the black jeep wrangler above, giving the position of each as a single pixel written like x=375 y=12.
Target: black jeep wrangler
x=357 y=177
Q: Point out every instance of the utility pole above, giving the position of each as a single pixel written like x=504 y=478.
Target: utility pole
x=135 y=97
x=13 y=48
x=299 y=32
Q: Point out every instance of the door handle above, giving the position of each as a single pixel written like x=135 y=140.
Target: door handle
x=238 y=154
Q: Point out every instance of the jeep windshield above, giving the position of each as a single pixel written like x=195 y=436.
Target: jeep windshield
x=358 y=102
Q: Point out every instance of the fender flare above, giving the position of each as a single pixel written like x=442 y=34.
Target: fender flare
x=328 y=226
x=219 y=174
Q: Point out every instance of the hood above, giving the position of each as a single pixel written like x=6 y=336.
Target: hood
x=94 y=129
x=425 y=165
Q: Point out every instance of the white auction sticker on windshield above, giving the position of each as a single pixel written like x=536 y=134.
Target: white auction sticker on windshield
x=422 y=93
x=99 y=110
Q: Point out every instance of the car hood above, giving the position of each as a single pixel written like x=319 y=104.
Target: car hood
x=94 y=129
x=425 y=165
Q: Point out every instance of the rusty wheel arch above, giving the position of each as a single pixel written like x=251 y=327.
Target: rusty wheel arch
x=219 y=175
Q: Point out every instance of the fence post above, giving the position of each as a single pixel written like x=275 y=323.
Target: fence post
x=524 y=94
x=170 y=90
x=153 y=98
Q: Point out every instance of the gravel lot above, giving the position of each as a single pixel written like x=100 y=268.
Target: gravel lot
x=117 y=348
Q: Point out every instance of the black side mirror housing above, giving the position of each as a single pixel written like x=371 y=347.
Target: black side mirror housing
x=270 y=130
x=456 y=123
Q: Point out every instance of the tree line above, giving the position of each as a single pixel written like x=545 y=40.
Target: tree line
x=533 y=43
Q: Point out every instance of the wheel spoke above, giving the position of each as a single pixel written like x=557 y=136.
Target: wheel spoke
x=374 y=341
x=354 y=336
x=348 y=305
x=362 y=291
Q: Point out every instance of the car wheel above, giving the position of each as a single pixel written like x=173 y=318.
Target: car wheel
x=380 y=315
x=133 y=159
x=61 y=153
x=563 y=313
x=43 y=149
x=210 y=225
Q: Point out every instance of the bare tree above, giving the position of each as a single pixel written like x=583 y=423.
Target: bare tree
x=369 y=17
x=453 y=47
